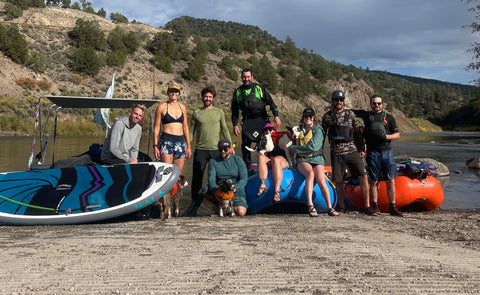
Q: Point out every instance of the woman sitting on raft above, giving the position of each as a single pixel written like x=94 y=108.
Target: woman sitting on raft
x=310 y=160
x=276 y=160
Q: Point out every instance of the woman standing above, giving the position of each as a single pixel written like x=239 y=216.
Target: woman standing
x=173 y=146
x=310 y=160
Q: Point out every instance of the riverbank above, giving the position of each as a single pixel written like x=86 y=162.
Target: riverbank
x=434 y=252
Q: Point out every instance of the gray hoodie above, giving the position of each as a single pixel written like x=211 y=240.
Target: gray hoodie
x=122 y=142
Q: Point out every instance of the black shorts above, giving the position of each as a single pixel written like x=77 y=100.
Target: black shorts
x=354 y=163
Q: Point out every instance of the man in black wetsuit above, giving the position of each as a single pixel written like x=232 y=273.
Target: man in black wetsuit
x=251 y=98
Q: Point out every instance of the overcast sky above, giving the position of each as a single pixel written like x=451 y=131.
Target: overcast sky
x=422 y=38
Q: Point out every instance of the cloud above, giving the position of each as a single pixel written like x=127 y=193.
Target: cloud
x=375 y=33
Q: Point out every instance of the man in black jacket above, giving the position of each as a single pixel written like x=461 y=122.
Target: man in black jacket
x=251 y=98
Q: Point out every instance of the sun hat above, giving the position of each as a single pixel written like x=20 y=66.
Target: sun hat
x=224 y=143
x=270 y=126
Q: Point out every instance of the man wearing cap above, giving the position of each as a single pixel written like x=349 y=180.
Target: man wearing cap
x=340 y=126
x=205 y=127
x=228 y=166
x=251 y=98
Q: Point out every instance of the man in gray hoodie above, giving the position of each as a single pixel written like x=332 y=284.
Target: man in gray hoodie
x=123 y=140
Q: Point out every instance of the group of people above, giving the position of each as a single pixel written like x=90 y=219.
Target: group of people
x=173 y=138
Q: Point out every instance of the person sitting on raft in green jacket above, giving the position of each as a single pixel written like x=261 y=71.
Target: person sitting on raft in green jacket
x=310 y=160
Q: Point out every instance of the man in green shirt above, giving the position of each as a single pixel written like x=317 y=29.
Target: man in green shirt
x=205 y=127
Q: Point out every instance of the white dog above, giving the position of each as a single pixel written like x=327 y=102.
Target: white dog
x=264 y=146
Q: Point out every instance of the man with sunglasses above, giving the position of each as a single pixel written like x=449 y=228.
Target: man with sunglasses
x=340 y=125
x=228 y=166
x=380 y=129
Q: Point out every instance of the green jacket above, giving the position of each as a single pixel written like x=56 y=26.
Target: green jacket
x=315 y=145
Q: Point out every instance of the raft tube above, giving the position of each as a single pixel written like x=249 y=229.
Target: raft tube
x=291 y=191
x=416 y=194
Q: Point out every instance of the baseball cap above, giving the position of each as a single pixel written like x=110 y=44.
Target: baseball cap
x=308 y=112
x=268 y=126
x=223 y=143
x=173 y=85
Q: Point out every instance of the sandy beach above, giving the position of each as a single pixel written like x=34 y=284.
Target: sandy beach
x=424 y=253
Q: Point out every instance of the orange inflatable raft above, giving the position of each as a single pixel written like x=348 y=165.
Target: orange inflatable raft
x=416 y=194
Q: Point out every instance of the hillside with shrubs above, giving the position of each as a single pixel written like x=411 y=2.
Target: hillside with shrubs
x=66 y=48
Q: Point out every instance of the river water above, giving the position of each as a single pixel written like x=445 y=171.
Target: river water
x=451 y=148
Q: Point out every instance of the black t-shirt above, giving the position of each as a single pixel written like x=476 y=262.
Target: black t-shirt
x=373 y=138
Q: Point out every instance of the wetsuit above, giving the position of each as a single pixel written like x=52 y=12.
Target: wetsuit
x=251 y=100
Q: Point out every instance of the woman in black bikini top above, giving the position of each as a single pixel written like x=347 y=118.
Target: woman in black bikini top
x=167 y=118
x=173 y=146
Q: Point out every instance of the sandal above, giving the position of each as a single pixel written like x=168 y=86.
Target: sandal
x=262 y=191
x=276 y=197
x=332 y=212
x=312 y=212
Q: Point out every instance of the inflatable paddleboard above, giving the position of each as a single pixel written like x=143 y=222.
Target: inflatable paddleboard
x=292 y=190
x=82 y=194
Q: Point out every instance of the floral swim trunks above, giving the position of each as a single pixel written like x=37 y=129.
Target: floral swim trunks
x=172 y=145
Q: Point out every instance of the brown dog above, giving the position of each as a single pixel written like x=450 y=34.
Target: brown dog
x=172 y=198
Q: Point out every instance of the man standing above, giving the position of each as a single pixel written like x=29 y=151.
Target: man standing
x=380 y=130
x=340 y=126
x=123 y=140
x=228 y=166
x=251 y=99
x=205 y=127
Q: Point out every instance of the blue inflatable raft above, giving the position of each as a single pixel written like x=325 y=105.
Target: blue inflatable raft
x=292 y=193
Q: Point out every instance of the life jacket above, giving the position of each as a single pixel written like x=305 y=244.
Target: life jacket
x=223 y=196
x=376 y=129
x=277 y=135
x=304 y=139
x=340 y=132
x=251 y=102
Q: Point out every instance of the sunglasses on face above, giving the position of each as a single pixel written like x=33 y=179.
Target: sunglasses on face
x=224 y=149
x=376 y=103
x=338 y=99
